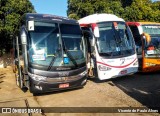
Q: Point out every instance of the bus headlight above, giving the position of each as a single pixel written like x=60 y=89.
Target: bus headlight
x=83 y=73
x=103 y=68
x=37 y=77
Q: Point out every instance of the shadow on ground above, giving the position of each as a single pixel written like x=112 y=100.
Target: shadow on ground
x=56 y=92
x=2 y=75
x=145 y=88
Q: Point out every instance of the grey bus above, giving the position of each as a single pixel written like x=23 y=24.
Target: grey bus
x=50 y=54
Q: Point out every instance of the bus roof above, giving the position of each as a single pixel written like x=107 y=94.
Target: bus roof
x=95 y=18
x=49 y=17
x=142 y=23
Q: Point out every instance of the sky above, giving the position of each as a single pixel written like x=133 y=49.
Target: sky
x=155 y=0
x=55 y=7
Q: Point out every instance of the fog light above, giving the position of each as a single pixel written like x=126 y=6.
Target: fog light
x=37 y=77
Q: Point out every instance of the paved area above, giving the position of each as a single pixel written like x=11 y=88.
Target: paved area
x=138 y=90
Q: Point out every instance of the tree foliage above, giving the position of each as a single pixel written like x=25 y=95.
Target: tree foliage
x=11 y=12
x=130 y=10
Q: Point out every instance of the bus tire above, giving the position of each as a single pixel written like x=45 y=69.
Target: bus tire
x=19 y=79
x=32 y=90
x=14 y=69
x=4 y=65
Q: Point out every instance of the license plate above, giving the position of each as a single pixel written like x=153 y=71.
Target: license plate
x=123 y=72
x=64 y=85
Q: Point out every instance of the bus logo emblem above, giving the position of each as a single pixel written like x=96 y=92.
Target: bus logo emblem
x=63 y=74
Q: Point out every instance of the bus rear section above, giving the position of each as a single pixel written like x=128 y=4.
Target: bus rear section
x=112 y=52
x=147 y=40
x=49 y=55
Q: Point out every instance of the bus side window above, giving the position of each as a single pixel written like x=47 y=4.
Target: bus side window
x=88 y=39
x=20 y=47
x=14 y=53
x=137 y=38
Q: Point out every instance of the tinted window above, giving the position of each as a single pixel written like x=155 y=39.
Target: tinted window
x=70 y=29
x=115 y=39
x=136 y=35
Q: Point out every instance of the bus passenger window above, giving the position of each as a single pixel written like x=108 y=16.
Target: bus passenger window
x=137 y=38
x=88 y=37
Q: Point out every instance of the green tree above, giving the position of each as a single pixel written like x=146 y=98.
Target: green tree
x=156 y=11
x=126 y=3
x=11 y=12
x=79 y=8
x=130 y=10
x=116 y=8
x=140 y=10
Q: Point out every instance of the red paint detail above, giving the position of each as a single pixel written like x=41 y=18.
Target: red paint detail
x=124 y=72
x=94 y=25
x=116 y=66
x=133 y=23
x=115 y=25
x=84 y=25
x=64 y=85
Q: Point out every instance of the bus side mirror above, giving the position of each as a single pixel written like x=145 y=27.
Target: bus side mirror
x=23 y=36
x=146 y=39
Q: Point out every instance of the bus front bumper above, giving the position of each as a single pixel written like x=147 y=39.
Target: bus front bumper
x=52 y=85
x=151 y=69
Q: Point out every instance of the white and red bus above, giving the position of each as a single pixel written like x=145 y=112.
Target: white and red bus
x=111 y=44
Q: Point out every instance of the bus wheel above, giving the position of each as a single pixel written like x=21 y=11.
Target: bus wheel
x=16 y=76
x=14 y=68
x=19 y=79
x=32 y=90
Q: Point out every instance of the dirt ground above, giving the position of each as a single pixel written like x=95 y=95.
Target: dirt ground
x=133 y=91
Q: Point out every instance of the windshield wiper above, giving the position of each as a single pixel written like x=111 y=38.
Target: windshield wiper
x=51 y=63
x=53 y=60
x=68 y=54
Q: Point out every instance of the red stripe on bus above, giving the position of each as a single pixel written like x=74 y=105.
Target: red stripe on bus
x=116 y=66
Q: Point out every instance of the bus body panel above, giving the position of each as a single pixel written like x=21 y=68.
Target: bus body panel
x=151 y=65
x=55 y=81
x=117 y=67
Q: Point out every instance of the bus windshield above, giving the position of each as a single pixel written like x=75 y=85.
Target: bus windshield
x=154 y=32
x=151 y=29
x=48 y=42
x=115 y=39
